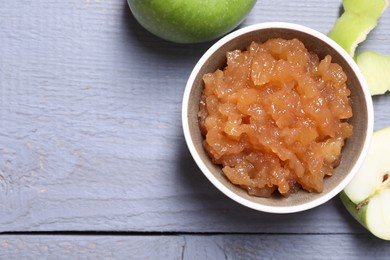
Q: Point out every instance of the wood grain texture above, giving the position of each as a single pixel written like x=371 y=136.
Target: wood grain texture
x=336 y=246
x=90 y=124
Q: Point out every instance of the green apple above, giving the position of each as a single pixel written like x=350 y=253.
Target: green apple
x=375 y=68
x=367 y=196
x=358 y=19
x=190 y=21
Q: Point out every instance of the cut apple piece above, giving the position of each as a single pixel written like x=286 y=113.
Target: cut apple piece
x=375 y=68
x=367 y=196
x=358 y=19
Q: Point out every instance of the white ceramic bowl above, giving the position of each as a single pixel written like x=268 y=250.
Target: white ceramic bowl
x=353 y=152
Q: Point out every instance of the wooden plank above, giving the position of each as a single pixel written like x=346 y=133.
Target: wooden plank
x=90 y=130
x=337 y=246
x=90 y=247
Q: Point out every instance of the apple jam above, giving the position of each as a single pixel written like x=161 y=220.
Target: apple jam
x=275 y=118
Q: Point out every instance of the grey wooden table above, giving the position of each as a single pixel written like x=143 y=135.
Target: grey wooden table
x=93 y=162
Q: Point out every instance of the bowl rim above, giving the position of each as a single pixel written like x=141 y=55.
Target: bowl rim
x=250 y=204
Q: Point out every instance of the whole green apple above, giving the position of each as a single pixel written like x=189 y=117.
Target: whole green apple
x=190 y=21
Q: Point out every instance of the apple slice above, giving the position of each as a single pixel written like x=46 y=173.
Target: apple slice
x=358 y=19
x=367 y=196
x=375 y=68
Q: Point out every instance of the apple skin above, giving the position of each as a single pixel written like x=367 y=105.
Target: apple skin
x=357 y=21
x=362 y=215
x=359 y=215
x=190 y=21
